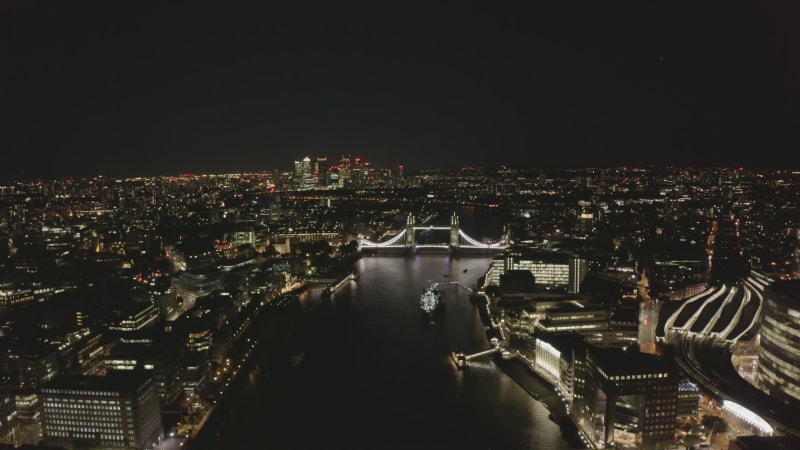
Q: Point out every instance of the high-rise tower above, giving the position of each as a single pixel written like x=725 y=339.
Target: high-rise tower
x=727 y=264
x=322 y=171
x=796 y=255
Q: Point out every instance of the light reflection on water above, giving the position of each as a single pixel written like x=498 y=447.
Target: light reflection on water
x=377 y=375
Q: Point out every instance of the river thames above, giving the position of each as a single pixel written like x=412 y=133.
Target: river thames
x=377 y=375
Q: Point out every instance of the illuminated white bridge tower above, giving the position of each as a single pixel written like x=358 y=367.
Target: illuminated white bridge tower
x=410 y=235
x=454 y=231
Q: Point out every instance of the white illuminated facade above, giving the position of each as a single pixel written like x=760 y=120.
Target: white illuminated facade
x=548 y=361
x=555 y=362
x=554 y=270
x=117 y=411
x=748 y=416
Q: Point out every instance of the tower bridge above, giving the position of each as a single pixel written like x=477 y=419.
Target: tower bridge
x=407 y=239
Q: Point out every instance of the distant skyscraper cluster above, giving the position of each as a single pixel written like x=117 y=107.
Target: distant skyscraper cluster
x=349 y=171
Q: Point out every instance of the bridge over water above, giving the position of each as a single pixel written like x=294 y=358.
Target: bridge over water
x=408 y=239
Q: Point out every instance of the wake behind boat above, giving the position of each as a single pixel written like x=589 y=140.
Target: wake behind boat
x=296 y=358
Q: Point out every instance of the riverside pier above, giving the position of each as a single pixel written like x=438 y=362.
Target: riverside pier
x=335 y=284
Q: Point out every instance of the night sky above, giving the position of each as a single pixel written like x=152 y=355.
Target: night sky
x=144 y=88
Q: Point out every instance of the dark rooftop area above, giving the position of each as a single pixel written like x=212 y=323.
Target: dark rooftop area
x=613 y=359
x=113 y=381
x=787 y=288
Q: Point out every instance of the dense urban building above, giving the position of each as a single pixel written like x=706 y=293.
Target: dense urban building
x=627 y=399
x=164 y=276
x=562 y=271
x=118 y=410
x=779 y=353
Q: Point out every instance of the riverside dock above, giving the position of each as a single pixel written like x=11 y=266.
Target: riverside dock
x=336 y=284
x=462 y=360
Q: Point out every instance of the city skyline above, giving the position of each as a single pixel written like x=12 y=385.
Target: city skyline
x=154 y=89
x=637 y=307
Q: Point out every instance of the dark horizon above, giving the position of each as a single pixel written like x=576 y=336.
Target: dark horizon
x=158 y=89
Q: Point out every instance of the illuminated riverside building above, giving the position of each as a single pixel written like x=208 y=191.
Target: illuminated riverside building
x=555 y=270
x=555 y=360
x=116 y=411
x=198 y=338
x=627 y=398
x=779 y=354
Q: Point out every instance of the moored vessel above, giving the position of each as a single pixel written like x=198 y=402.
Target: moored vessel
x=431 y=298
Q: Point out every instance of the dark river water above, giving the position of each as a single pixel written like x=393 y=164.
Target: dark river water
x=378 y=375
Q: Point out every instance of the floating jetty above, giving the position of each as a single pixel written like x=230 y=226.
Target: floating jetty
x=338 y=283
x=462 y=360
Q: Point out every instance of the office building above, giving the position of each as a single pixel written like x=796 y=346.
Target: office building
x=189 y=285
x=554 y=270
x=134 y=316
x=81 y=352
x=9 y=425
x=116 y=411
x=155 y=351
x=779 y=353
x=322 y=171
x=556 y=358
x=574 y=317
x=727 y=263
x=688 y=399
x=628 y=398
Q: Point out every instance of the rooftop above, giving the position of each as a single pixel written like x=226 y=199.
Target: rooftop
x=787 y=288
x=114 y=381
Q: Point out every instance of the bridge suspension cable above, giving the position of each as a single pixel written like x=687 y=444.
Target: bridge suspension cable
x=390 y=243
x=475 y=243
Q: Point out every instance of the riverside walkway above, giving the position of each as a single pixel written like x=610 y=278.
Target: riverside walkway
x=541 y=390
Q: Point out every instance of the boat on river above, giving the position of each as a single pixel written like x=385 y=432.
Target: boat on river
x=431 y=298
